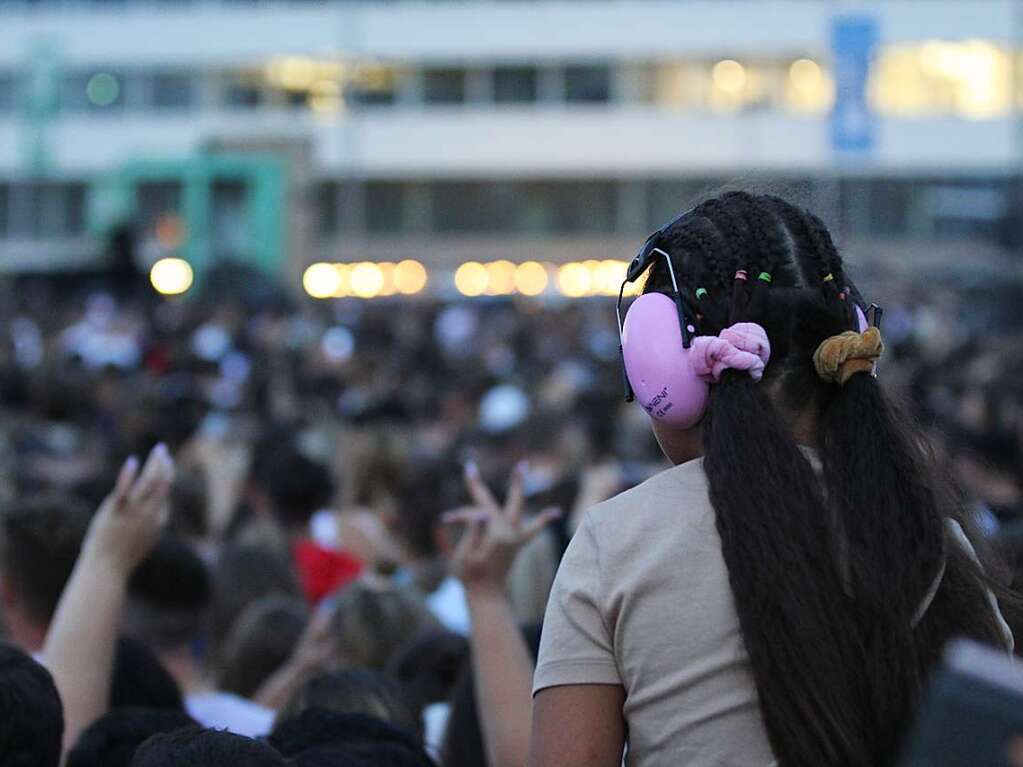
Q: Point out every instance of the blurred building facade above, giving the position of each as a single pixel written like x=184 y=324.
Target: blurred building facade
x=284 y=133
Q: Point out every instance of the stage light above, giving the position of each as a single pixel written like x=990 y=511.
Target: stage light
x=367 y=280
x=344 y=280
x=387 y=286
x=171 y=276
x=409 y=277
x=574 y=280
x=608 y=276
x=321 y=280
x=500 y=278
x=531 y=278
x=471 y=279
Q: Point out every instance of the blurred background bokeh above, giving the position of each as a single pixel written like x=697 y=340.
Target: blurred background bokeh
x=387 y=232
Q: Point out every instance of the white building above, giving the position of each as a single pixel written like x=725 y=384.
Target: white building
x=288 y=132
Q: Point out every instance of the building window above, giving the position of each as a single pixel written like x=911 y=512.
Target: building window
x=515 y=85
x=587 y=84
x=242 y=95
x=385 y=207
x=172 y=90
x=43 y=211
x=74 y=210
x=967 y=210
x=157 y=201
x=970 y=78
x=374 y=85
x=5 y=219
x=325 y=203
x=444 y=86
x=95 y=91
x=8 y=83
x=524 y=208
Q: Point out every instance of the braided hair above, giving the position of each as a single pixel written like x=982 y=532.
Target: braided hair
x=828 y=565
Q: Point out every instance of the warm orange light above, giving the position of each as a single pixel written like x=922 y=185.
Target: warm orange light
x=471 y=279
x=321 y=280
x=171 y=276
x=500 y=278
x=367 y=280
x=531 y=278
x=574 y=280
x=409 y=277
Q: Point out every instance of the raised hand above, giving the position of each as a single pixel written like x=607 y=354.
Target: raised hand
x=493 y=534
x=79 y=648
x=130 y=519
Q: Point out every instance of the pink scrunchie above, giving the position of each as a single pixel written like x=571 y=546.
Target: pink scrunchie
x=744 y=346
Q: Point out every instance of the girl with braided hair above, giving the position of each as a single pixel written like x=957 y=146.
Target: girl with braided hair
x=780 y=595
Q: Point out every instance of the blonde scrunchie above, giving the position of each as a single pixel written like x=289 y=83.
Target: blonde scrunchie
x=840 y=357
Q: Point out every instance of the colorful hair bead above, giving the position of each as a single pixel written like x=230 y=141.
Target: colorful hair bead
x=741 y=275
x=700 y=293
x=764 y=277
x=829 y=277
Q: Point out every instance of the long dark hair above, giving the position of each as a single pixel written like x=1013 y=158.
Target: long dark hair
x=828 y=566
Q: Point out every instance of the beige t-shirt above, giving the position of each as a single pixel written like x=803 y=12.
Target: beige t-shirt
x=642 y=600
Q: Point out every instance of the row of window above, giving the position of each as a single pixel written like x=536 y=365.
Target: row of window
x=40 y=211
x=973 y=79
x=866 y=207
x=859 y=207
x=112 y=90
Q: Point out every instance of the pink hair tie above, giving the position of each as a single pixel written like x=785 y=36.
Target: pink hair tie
x=741 y=275
x=743 y=346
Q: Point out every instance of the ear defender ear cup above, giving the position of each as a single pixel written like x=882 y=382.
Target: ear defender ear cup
x=658 y=366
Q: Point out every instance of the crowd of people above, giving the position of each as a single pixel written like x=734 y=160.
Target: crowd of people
x=240 y=528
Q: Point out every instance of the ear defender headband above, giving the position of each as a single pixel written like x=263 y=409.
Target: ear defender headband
x=669 y=368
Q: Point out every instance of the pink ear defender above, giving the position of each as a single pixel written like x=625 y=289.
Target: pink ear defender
x=658 y=367
x=657 y=346
x=656 y=338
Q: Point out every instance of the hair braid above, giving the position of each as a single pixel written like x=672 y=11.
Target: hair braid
x=832 y=275
x=702 y=233
x=744 y=204
x=811 y=268
x=711 y=211
x=735 y=231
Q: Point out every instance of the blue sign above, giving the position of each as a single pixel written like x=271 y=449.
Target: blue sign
x=853 y=39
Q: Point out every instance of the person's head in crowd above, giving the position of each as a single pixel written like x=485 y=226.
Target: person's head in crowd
x=356 y=691
x=197 y=747
x=373 y=619
x=244 y=574
x=189 y=507
x=366 y=740
x=168 y=598
x=31 y=714
x=111 y=741
x=140 y=681
x=292 y=486
x=429 y=666
x=261 y=640
x=423 y=495
x=839 y=673
x=39 y=544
